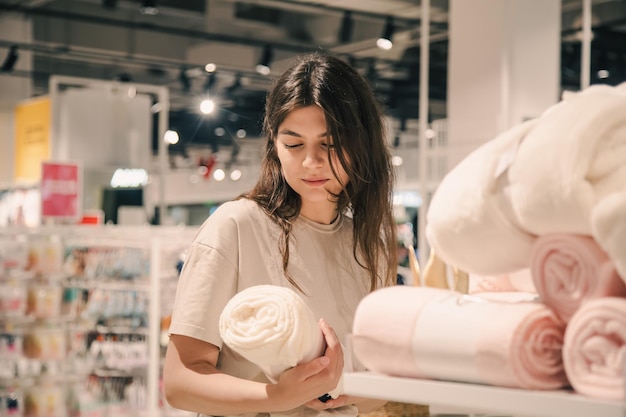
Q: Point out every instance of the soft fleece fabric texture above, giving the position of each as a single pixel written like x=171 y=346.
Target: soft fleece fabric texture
x=595 y=346
x=608 y=223
x=572 y=158
x=469 y=224
x=272 y=327
x=563 y=172
x=441 y=334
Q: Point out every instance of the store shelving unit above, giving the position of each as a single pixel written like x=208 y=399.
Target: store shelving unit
x=117 y=273
x=480 y=399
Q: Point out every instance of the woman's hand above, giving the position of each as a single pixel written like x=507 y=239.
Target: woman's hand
x=305 y=383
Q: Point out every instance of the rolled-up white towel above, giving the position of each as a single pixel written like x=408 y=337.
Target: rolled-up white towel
x=272 y=327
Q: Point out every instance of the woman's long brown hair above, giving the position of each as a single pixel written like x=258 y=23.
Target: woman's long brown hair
x=355 y=121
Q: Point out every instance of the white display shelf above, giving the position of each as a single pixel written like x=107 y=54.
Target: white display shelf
x=483 y=399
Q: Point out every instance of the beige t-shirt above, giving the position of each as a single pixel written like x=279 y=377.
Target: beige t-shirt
x=237 y=247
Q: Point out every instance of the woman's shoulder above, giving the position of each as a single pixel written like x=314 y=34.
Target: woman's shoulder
x=239 y=209
x=232 y=216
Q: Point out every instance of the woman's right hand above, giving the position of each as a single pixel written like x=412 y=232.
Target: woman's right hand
x=309 y=381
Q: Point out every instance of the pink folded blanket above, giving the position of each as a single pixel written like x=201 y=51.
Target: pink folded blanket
x=423 y=332
x=569 y=270
x=594 y=350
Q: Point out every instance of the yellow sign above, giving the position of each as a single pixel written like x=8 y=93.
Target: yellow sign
x=32 y=139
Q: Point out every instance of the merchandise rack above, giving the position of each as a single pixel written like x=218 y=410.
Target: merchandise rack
x=480 y=399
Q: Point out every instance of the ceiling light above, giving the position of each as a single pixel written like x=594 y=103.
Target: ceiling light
x=149 y=7
x=347 y=25
x=171 y=137
x=10 y=60
x=385 y=40
x=207 y=106
x=263 y=67
x=219 y=174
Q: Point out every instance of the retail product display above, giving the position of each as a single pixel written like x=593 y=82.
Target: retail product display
x=272 y=327
x=537 y=217
x=78 y=334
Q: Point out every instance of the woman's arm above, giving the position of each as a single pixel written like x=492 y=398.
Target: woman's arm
x=192 y=382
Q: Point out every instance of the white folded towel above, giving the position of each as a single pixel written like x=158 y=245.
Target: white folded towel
x=272 y=327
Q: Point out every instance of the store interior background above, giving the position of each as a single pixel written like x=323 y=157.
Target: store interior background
x=102 y=54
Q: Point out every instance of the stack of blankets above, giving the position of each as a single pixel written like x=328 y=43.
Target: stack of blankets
x=545 y=200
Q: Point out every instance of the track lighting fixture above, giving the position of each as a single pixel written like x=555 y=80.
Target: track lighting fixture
x=263 y=67
x=11 y=59
x=185 y=82
x=347 y=25
x=236 y=85
x=385 y=41
x=149 y=7
x=210 y=82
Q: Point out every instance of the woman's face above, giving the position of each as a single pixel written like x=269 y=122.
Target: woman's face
x=302 y=146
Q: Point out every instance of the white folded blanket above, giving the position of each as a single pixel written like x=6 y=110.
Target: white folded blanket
x=272 y=327
x=423 y=332
x=594 y=351
x=571 y=159
x=469 y=220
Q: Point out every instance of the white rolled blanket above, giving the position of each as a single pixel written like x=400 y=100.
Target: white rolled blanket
x=608 y=222
x=469 y=220
x=572 y=158
x=594 y=351
x=272 y=327
x=442 y=334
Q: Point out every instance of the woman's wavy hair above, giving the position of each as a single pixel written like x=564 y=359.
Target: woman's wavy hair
x=355 y=122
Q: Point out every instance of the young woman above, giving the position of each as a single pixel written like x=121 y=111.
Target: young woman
x=319 y=220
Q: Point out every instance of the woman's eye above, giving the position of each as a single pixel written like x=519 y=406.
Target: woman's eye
x=328 y=145
x=289 y=146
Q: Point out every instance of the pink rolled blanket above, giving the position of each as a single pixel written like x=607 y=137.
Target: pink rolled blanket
x=569 y=270
x=594 y=350
x=433 y=333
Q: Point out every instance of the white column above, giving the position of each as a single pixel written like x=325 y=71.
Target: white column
x=504 y=58
x=13 y=89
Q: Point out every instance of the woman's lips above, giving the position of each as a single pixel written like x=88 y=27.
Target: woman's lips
x=313 y=182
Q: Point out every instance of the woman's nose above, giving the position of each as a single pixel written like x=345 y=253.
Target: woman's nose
x=314 y=158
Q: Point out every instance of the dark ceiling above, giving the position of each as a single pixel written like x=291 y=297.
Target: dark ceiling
x=112 y=39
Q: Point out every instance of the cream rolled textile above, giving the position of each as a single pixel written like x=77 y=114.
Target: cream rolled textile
x=272 y=327
x=470 y=224
x=571 y=159
x=608 y=224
